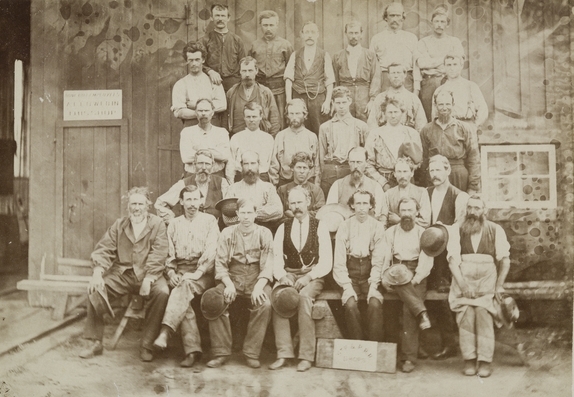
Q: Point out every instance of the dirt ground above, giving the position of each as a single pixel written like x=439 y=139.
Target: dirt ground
x=60 y=372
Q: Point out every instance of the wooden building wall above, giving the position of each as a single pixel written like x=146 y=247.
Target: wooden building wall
x=519 y=52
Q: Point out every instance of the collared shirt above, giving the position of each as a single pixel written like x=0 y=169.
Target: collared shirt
x=257 y=246
x=315 y=192
x=193 y=239
x=394 y=47
x=437 y=200
x=431 y=51
x=287 y=144
x=339 y=135
x=455 y=142
x=272 y=57
x=469 y=103
x=358 y=240
x=289 y=73
x=405 y=246
x=139 y=227
x=224 y=51
x=354 y=52
x=299 y=235
x=394 y=195
x=258 y=141
x=263 y=194
x=191 y=88
x=414 y=115
x=194 y=138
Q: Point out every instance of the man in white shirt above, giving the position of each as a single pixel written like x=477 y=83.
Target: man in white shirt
x=205 y=136
x=252 y=138
x=303 y=256
x=195 y=85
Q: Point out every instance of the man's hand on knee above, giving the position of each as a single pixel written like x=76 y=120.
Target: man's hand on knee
x=146 y=286
x=97 y=281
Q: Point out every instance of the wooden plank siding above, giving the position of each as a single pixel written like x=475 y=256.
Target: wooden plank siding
x=518 y=52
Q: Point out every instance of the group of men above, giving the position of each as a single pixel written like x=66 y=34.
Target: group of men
x=268 y=176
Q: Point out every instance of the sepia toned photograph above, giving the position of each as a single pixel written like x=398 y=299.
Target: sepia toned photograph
x=269 y=198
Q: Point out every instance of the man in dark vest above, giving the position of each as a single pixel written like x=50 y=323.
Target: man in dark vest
x=479 y=277
x=448 y=205
x=212 y=188
x=309 y=75
x=302 y=257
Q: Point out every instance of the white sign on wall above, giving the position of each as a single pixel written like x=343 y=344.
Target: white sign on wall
x=358 y=355
x=93 y=105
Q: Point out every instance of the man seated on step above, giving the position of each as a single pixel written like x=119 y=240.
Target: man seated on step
x=192 y=241
x=129 y=259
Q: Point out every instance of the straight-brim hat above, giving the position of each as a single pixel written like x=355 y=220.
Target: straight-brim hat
x=398 y=274
x=213 y=303
x=227 y=206
x=100 y=302
x=333 y=214
x=285 y=300
x=507 y=310
x=434 y=240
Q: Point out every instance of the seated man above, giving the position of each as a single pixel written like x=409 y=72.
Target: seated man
x=263 y=194
x=192 y=243
x=402 y=246
x=244 y=270
x=303 y=256
x=359 y=254
x=478 y=277
x=301 y=165
x=342 y=190
x=211 y=187
x=129 y=259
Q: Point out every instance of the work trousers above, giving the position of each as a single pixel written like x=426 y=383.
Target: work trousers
x=476 y=334
x=428 y=86
x=259 y=318
x=281 y=102
x=314 y=117
x=330 y=173
x=179 y=312
x=118 y=284
x=372 y=328
x=306 y=323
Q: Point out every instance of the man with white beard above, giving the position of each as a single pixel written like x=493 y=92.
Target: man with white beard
x=129 y=259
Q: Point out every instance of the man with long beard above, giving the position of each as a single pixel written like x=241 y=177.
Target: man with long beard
x=402 y=247
x=192 y=241
x=477 y=279
x=129 y=259
x=294 y=139
x=211 y=187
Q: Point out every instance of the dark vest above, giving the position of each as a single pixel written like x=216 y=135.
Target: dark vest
x=487 y=241
x=447 y=213
x=310 y=252
x=310 y=81
x=214 y=193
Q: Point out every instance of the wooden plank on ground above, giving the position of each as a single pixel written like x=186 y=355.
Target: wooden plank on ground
x=386 y=359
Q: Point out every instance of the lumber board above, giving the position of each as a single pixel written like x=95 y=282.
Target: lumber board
x=386 y=355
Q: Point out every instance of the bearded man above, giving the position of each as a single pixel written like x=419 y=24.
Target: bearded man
x=129 y=259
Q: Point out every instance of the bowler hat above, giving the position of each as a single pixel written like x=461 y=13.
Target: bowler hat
x=99 y=299
x=507 y=310
x=434 y=240
x=398 y=274
x=213 y=303
x=333 y=214
x=285 y=300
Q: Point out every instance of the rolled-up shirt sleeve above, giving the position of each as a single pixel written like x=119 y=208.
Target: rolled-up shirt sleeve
x=325 y=264
x=340 y=271
x=289 y=73
x=501 y=245
x=206 y=261
x=279 y=262
x=377 y=254
x=266 y=258
x=329 y=72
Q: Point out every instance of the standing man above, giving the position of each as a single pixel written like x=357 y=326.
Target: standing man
x=430 y=54
x=303 y=256
x=192 y=243
x=211 y=188
x=414 y=116
x=272 y=54
x=309 y=75
x=248 y=91
x=402 y=246
x=205 y=136
x=455 y=140
x=224 y=49
x=301 y=164
x=129 y=259
x=358 y=260
x=394 y=45
x=336 y=137
x=251 y=138
x=448 y=208
x=477 y=280
x=469 y=105
x=243 y=270
x=357 y=69
x=296 y=138
x=195 y=85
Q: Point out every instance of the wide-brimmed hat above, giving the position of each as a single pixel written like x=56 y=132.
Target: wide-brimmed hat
x=412 y=150
x=213 y=303
x=333 y=214
x=99 y=299
x=227 y=206
x=285 y=300
x=507 y=310
x=398 y=274
x=434 y=240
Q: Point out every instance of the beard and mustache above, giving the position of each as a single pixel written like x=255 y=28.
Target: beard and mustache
x=407 y=223
x=138 y=216
x=201 y=176
x=356 y=175
x=250 y=177
x=472 y=224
